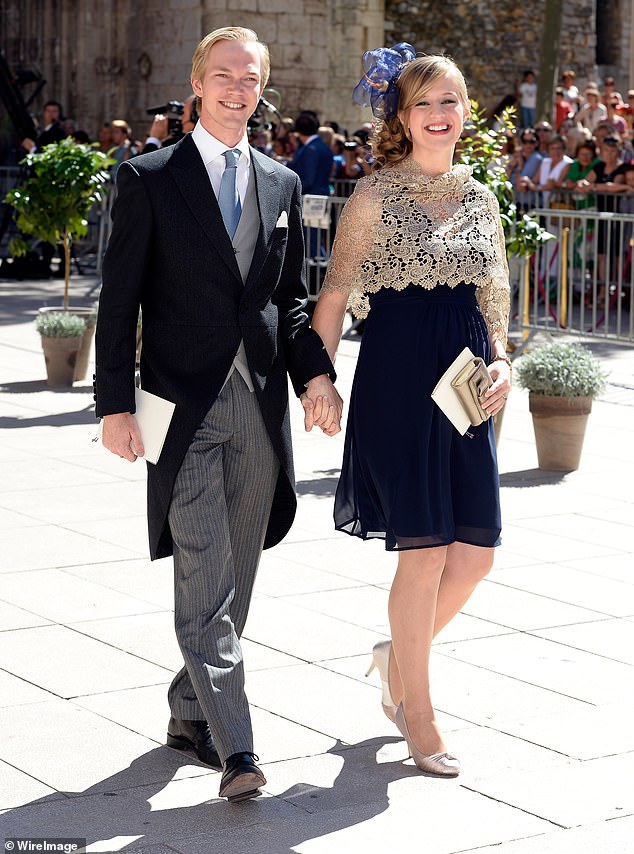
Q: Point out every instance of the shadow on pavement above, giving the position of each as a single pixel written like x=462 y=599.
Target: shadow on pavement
x=130 y=815
x=320 y=486
x=531 y=477
x=61 y=419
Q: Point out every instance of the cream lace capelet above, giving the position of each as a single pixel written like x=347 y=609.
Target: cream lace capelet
x=402 y=227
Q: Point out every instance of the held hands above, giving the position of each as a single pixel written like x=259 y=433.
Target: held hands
x=322 y=406
x=121 y=436
x=495 y=397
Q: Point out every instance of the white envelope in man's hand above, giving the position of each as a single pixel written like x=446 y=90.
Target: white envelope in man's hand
x=282 y=221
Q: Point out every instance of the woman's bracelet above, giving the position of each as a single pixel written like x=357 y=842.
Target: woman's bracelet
x=502 y=359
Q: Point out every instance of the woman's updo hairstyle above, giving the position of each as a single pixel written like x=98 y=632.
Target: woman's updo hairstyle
x=390 y=141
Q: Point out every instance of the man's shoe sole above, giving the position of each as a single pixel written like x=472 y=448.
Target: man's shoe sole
x=243 y=787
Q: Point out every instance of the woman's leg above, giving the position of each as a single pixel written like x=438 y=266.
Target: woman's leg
x=465 y=566
x=412 y=611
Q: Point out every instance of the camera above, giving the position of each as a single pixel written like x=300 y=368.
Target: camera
x=171 y=109
x=350 y=145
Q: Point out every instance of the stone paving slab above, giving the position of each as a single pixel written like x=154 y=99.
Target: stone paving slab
x=533 y=681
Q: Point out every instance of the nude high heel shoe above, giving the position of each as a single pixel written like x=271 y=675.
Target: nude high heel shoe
x=439 y=764
x=381 y=660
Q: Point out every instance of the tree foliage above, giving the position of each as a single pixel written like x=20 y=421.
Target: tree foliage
x=482 y=149
x=65 y=180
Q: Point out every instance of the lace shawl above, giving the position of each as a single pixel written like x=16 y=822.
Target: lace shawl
x=402 y=227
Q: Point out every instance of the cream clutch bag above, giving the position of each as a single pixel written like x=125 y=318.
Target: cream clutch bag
x=460 y=390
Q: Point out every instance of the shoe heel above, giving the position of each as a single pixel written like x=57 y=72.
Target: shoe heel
x=371 y=667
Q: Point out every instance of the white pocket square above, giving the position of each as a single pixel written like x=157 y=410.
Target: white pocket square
x=282 y=221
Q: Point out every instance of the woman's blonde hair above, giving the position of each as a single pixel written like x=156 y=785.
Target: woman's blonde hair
x=391 y=142
x=241 y=34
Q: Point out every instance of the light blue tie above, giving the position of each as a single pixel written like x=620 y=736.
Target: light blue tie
x=228 y=196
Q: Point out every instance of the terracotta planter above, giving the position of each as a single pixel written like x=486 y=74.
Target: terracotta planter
x=60 y=355
x=85 y=342
x=81 y=367
x=560 y=427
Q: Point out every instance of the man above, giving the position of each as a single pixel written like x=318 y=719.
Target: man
x=313 y=159
x=223 y=322
x=313 y=162
x=53 y=128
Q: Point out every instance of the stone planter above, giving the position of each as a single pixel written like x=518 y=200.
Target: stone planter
x=560 y=427
x=60 y=355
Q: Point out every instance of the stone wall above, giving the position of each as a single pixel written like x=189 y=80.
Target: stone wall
x=106 y=59
x=493 y=42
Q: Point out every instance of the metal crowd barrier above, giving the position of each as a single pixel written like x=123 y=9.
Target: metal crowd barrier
x=582 y=281
x=320 y=226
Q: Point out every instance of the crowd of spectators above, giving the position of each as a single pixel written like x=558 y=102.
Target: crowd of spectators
x=327 y=158
x=586 y=155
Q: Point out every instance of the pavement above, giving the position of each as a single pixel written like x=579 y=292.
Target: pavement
x=534 y=680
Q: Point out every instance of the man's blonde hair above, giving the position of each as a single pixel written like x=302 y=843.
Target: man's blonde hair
x=240 y=34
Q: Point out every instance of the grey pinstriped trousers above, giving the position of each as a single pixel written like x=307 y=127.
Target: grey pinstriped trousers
x=218 y=516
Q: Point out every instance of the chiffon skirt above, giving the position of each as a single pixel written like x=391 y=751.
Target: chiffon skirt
x=407 y=475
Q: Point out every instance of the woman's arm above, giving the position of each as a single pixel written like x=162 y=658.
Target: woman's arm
x=616 y=186
x=328 y=319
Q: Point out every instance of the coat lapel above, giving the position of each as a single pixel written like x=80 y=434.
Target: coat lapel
x=268 y=193
x=193 y=182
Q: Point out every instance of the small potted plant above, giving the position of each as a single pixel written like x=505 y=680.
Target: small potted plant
x=61 y=336
x=64 y=181
x=562 y=380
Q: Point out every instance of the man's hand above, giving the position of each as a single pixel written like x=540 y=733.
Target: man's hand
x=121 y=436
x=28 y=144
x=322 y=406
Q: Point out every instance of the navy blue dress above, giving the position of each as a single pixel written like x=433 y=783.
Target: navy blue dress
x=407 y=475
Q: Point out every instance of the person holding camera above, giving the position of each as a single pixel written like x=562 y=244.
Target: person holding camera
x=166 y=131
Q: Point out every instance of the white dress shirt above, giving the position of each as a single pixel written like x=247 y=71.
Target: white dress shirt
x=212 y=152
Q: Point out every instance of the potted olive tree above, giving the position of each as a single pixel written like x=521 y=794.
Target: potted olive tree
x=562 y=380
x=61 y=336
x=52 y=205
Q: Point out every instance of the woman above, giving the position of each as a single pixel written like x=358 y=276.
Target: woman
x=524 y=163
x=608 y=180
x=586 y=159
x=420 y=247
x=552 y=172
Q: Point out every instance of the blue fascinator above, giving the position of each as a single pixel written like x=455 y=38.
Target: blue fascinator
x=377 y=88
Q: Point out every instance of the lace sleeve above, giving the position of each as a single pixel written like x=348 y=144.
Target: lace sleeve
x=354 y=235
x=494 y=296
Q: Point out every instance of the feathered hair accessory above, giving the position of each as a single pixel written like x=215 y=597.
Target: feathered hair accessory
x=377 y=88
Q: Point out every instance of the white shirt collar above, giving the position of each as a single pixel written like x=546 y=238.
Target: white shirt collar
x=210 y=148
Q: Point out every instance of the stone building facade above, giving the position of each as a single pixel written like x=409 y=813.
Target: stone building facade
x=107 y=59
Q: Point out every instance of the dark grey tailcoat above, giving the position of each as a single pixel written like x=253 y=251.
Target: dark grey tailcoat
x=169 y=252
